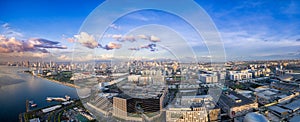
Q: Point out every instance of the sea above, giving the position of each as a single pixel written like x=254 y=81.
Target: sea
x=16 y=87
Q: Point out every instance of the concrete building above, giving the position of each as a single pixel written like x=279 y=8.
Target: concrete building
x=235 y=104
x=263 y=72
x=200 y=108
x=133 y=78
x=208 y=78
x=194 y=113
x=294 y=106
x=279 y=111
x=266 y=96
x=147 y=77
x=120 y=107
x=186 y=115
x=239 y=75
x=145 y=100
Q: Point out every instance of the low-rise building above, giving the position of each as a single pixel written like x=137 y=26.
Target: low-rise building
x=239 y=75
x=208 y=78
x=200 y=108
x=235 y=104
x=279 y=111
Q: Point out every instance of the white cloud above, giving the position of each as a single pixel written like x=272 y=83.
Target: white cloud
x=117 y=36
x=86 y=40
x=114 y=26
x=64 y=58
x=6 y=26
x=10 y=45
x=154 y=39
x=111 y=46
x=9 y=31
x=142 y=36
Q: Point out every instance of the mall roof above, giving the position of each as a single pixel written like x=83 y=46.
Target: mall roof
x=231 y=103
x=255 y=117
x=295 y=105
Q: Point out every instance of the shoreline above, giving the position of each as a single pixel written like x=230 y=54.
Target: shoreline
x=55 y=81
x=62 y=83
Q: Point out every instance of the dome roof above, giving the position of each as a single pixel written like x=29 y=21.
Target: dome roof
x=286 y=77
x=255 y=117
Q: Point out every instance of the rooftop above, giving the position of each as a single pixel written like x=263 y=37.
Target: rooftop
x=234 y=103
x=295 y=118
x=295 y=105
x=278 y=109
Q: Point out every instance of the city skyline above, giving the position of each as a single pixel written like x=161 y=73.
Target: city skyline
x=249 y=30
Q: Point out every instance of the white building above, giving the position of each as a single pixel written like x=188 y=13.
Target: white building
x=208 y=78
x=240 y=75
x=133 y=78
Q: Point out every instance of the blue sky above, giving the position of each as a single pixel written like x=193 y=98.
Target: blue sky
x=250 y=29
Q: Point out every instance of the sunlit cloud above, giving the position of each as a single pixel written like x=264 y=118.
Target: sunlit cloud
x=64 y=58
x=86 y=40
x=117 y=36
x=111 y=46
x=151 y=46
x=142 y=36
x=71 y=40
x=10 y=45
x=154 y=39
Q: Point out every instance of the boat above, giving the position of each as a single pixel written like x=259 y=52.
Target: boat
x=49 y=99
x=60 y=99
x=33 y=105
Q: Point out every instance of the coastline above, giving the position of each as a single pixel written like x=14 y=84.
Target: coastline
x=55 y=81
x=62 y=83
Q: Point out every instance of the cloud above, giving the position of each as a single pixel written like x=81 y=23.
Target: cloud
x=111 y=46
x=105 y=56
x=130 y=38
x=143 y=17
x=133 y=48
x=87 y=40
x=151 y=46
x=21 y=56
x=150 y=38
x=71 y=40
x=116 y=36
x=9 y=31
x=63 y=57
x=6 y=26
x=114 y=26
x=13 y=33
x=143 y=37
x=120 y=38
x=39 y=42
x=37 y=55
x=10 y=45
x=154 y=39
x=254 y=46
x=4 y=50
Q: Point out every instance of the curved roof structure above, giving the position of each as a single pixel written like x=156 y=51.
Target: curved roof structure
x=255 y=117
